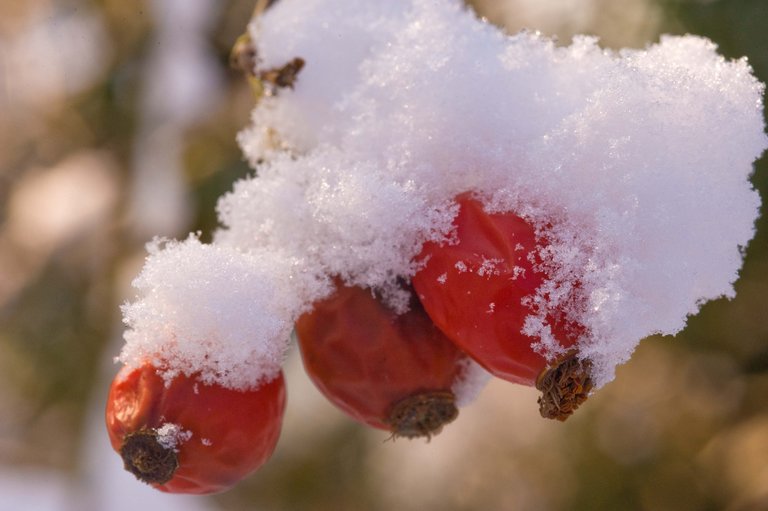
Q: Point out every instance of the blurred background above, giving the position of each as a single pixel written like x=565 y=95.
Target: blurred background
x=117 y=123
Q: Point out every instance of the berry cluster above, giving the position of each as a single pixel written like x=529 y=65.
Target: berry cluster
x=396 y=372
x=434 y=201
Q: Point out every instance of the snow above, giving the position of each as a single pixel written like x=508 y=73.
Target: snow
x=635 y=164
x=171 y=435
x=102 y=481
x=471 y=380
x=210 y=311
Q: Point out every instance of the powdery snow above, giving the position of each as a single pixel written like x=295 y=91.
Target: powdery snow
x=639 y=160
x=171 y=435
x=213 y=311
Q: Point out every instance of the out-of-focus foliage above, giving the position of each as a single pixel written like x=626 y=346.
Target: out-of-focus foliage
x=683 y=426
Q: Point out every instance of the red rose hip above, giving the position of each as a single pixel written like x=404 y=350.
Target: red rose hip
x=478 y=291
x=392 y=372
x=188 y=437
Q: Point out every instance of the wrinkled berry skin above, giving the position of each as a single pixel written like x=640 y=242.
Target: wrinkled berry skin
x=475 y=291
x=232 y=433
x=366 y=359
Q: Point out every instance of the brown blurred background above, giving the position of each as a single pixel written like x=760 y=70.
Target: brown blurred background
x=117 y=123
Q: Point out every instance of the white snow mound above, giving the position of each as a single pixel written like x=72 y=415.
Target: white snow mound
x=640 y=159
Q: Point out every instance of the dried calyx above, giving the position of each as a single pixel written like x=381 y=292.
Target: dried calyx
x=423 y=414
x=245 y=59
x=146 y=458
x=281 y=77
x=564 y=387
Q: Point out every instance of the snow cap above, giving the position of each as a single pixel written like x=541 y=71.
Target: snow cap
x=636 y=163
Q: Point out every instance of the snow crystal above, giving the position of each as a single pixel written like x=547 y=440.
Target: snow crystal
x=461 y=266
x=489 y=267
x=170 y=435
x=633 y=165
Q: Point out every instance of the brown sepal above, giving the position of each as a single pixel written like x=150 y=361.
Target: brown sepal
x=423 y=414
x=564 y=387
x=147 y=459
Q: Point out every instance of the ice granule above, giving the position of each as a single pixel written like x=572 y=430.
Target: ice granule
x=489 y=267
x=461 y=266
x=170 y=435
